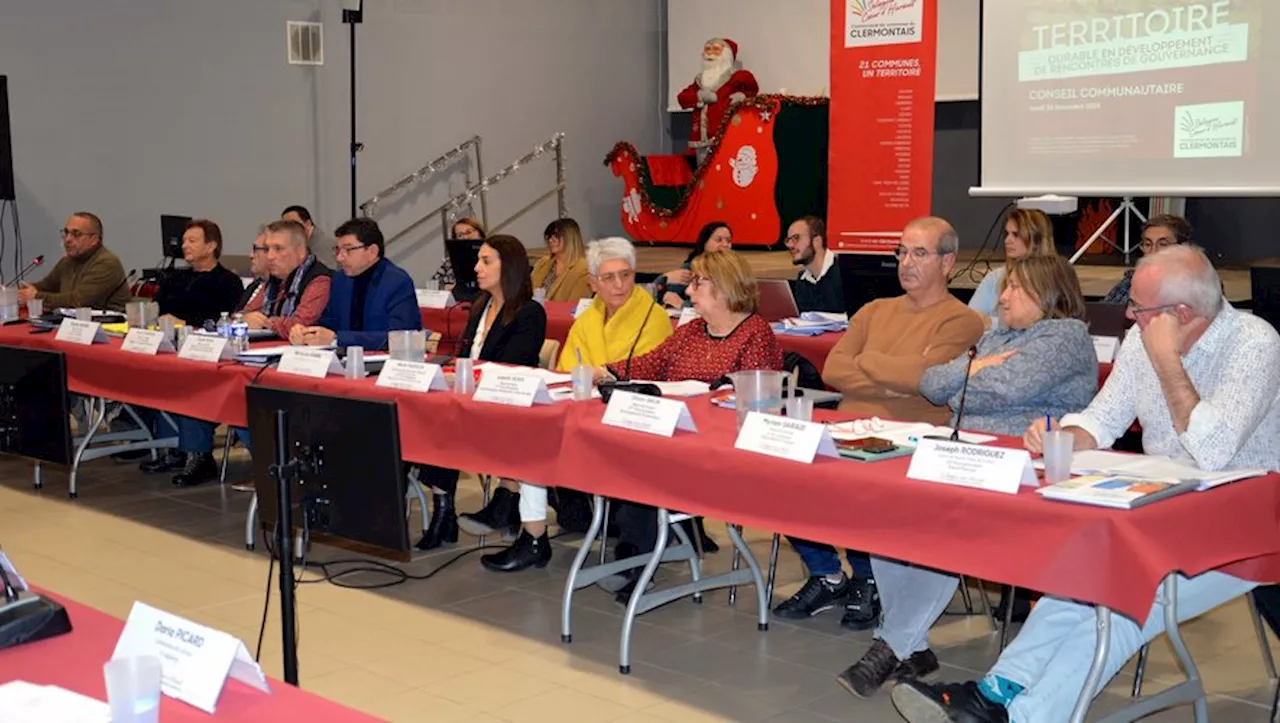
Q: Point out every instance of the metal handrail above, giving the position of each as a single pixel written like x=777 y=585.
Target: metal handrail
x=554 y=145
x=370 y=207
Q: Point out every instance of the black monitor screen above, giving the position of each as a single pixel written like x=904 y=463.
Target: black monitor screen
x=358 y=492
x=171 y=230
x=34 y=414
x=463 y=255
x=867 y=277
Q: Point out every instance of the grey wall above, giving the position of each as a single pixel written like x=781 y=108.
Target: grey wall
x=134 y=109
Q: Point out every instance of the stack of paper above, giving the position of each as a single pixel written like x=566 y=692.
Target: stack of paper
x=812 y=323
x=1119 y=491
x=23 y=702
x=903 y=434
x=1092 y=462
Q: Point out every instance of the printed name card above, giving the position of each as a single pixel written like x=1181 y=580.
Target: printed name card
x=204 y=347
x=195 y=661
x=645 y=413
x=1105 y=348
x=312 y=362
x=146 y=341
x=786 y=438
x=80 y=332
x=434 y=298
x=583 y=305
x=687 y=314
x=411 y=376
x=971 y=465
x=504 y=385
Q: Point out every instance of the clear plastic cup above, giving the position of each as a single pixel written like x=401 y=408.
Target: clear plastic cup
x=583 y=381
x=8 y=303
x=135 y=314
x=35 y=307
x=1057 y=456
x=355 y=362
x=464 y=380
x=407 y=345
x=133 y=689
x=84 y=313
x=757 y=390
x=800 y=408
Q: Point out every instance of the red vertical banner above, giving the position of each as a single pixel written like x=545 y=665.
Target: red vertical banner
x=880 y=167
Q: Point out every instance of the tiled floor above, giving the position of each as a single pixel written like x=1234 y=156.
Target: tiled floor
x=468 y=645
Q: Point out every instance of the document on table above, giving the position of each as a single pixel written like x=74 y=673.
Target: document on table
x=691 y=388
x=903 y=434
x=1094 y=461
x=22 y=702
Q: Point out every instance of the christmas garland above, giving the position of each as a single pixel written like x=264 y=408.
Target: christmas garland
x=763 y=103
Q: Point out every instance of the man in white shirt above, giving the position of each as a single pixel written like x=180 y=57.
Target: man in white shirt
x=1203 y=379
x=818 y=286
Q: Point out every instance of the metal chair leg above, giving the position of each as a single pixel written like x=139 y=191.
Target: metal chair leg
x=604 y=532
x=229 y=440
x=249 y=520
x=1260 y=628
x=1140 y=670
x=774 y=547
x=736 y=562
x=486 y=482
x=965 y=597
x=1008 y=617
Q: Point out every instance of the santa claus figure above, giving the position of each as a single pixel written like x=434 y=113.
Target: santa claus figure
x=716 y=89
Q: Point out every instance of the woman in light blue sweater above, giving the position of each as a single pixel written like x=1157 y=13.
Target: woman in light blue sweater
x=1040 y=361
x=1027 y=232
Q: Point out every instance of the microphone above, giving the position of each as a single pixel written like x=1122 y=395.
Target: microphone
x=964 y=391
x=128 y=279
x=34 y=263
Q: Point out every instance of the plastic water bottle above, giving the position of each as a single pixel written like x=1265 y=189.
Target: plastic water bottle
x=224 y=324
x=239 y=334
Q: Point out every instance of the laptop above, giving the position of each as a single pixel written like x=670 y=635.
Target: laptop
x=1106 y=319
x=171 y=230
x=776 y=300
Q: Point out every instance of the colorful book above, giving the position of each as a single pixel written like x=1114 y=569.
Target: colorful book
x=1121 y=492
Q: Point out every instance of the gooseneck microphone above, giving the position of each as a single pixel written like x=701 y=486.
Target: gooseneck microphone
x=34 y=263
x=128 y=280
x=964 y=391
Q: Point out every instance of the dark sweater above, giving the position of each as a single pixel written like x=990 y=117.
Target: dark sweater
x=199 y=296
x=826 y=295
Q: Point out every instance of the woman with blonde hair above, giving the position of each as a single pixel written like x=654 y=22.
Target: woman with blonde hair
x=1027 y=232
x=562 y=273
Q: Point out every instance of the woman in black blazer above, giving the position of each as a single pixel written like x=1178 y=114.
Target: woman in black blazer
x=508 y=327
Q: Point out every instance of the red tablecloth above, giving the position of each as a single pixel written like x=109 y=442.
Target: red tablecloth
x=451 y=322
x=1113 y=557
x=74 y=661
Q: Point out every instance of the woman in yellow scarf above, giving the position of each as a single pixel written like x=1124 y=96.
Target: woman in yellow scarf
x=623 y=320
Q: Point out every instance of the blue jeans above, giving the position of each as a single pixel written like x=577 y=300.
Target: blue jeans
x=155 y=421
x=822 y=559
x=1054 y=650
x=195 y=435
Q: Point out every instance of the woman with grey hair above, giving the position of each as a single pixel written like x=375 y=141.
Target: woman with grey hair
x=622 y=321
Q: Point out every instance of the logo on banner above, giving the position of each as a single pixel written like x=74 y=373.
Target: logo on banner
x=745 y=166
x=882 y=22
x=1208 y=130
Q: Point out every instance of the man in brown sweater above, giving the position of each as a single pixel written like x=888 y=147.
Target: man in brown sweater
x=88 y=275
x=877 y=365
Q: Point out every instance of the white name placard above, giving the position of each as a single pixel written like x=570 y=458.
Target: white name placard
x=786 y=438
x=998 y=469
x=435 y=298
x=583 y=305
x=195 y=661
x=504 y=385
x=313 y=362
x=644 y=413
x=687 y=314
x=203 y=347
x=411 y=376
x=74 y=331
x=146 y=341
x=1105 y=347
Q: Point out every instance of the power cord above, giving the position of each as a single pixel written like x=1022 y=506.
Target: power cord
x=986 y=240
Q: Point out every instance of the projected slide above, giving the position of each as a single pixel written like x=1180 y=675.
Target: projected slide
x=1140 y=89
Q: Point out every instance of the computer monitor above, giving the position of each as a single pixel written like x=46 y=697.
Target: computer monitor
x=867 y=277
x=171 y=230
x=463 y=255
x=35 y=415
x=355 y=499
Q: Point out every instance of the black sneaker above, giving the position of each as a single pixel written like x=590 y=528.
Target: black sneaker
x=817 y=596
x=198 y=470
x=167 y=460
x=866 y=676
x=920 y=665
x=920 y=702
x=862 y=607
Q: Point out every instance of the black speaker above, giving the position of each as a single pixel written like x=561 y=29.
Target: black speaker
x=7 y=185
x=1266 y=293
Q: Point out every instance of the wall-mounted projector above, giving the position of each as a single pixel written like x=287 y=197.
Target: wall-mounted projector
x=1051 y=204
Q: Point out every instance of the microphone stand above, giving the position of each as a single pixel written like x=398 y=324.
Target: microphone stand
x=352 y=18
x=964 y=392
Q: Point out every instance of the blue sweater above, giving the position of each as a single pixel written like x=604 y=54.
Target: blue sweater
x=1055 y=371
x=390 y=304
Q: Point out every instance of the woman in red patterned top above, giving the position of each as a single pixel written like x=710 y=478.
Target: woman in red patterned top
x=728 y=337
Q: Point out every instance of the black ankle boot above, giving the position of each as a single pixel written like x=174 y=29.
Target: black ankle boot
x=526 y=552
x=443 y=528
x=198 y=470
x=502 y=512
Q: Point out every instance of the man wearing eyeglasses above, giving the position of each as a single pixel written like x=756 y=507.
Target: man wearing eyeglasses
x=88 y=275
x=1158 y=233
x=818 y=286
x=371 y=297
x=1203 y=380
x=877 y=366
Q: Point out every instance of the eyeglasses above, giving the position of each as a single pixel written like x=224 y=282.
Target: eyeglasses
x=696 y=281
x=76 y=234
x=918 y=253
x=1150 y=246
x=260 y=249
x=340 y=250
x=794 y=238
x=616 y=277
x=1136 y=310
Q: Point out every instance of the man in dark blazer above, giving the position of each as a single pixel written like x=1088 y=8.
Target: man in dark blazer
x=369 y=298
